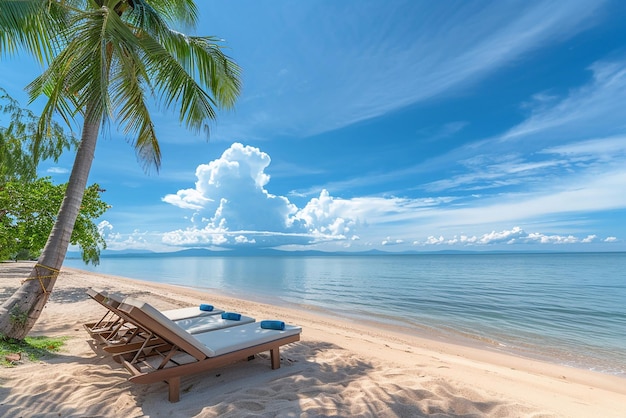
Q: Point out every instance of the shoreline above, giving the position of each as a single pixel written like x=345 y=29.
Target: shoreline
x=339 y=367
x=550 y=310
x=449 y=334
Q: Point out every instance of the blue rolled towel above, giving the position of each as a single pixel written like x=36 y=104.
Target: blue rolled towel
x=279 y=325
x=232 y=316
x=205 y=307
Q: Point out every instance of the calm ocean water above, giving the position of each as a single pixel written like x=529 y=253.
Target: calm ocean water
x=566 y=308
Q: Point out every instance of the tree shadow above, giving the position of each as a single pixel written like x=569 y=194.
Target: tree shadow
x=316 y=379
x=11 y=276
x=61 y=385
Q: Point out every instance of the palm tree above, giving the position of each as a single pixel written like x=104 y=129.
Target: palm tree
x=106 y=59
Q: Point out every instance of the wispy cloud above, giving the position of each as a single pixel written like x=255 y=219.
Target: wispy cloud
x=381 y=57
x=582 y=134
x=592 y=110
x=57 y=170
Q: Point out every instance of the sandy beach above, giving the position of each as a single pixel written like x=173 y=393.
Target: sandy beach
x=339 y=368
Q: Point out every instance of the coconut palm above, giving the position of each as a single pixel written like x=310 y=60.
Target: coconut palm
x=106 y=61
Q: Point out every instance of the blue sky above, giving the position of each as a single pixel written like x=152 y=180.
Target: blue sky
x=390 y=125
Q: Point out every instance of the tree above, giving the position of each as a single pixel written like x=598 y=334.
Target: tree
x=17 y=153
x=28 y=205
x=27 y=213
x=106 y=59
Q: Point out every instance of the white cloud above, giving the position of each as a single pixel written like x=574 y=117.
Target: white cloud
x=186 y=199
x=434 y=52
x=135 y=240
x=516 y=235
x=57 y=170
x=389 y=241
x=230 y=193
x=578 y=114
x=590 y=238
x=104 y=228
x=608 y=148
x=579 y=135
x=232 y=207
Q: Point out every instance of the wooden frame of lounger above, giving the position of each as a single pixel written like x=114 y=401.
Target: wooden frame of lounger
x=182 y=344
x=112 y=322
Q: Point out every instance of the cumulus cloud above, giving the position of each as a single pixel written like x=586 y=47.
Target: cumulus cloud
x=104 y=228
x=516 y=235
x=389 y=241
x=135 y=240
x=233 y=207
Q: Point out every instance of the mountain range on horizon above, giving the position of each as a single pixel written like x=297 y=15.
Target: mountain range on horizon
x=250 y=252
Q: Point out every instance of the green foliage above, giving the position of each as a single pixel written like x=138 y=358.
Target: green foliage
x=32 y=347
x=18 y=152
x=29 y=206
x=28 y=212
x=104 y=59
x=18 y=317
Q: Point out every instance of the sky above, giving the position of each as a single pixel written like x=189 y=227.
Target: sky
x=386 y=125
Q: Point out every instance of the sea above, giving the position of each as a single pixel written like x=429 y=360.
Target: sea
x=566 y=308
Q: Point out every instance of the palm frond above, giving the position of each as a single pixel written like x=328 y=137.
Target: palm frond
x=114 y=56
x=174 y=85
x=23 y=25
x=129 y=83
x=178 y=60
x=156 y=14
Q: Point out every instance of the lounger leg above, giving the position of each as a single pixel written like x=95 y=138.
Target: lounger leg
x=174 y=389
x=275 y=356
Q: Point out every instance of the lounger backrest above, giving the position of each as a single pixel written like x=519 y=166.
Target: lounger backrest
x=105 y=298
x=97 y=295
x=153 y=320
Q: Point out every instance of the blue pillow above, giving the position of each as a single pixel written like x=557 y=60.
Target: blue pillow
x=232 y=316
x=205 y=307
x=279 y=325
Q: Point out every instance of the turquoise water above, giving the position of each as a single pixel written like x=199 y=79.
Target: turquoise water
x=566 y=308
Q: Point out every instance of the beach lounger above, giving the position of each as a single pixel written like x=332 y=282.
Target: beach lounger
x=117 y=328
x=139 y=340
x=184 y=354
x=173 y=314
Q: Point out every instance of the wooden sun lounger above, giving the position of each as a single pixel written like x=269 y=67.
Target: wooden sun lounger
x=185 y=354
x=116 y=328
x=143 y=340
x=105 y=299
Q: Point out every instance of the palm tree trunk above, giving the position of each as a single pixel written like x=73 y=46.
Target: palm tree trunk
x=20 y=312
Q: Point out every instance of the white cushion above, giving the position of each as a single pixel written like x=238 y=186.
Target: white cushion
x=210 y=323
x=236 y=338
x=190 y=312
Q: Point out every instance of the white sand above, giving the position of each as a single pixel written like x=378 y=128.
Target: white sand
x=339 y=368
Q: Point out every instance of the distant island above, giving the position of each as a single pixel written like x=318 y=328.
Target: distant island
x=268 y=252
